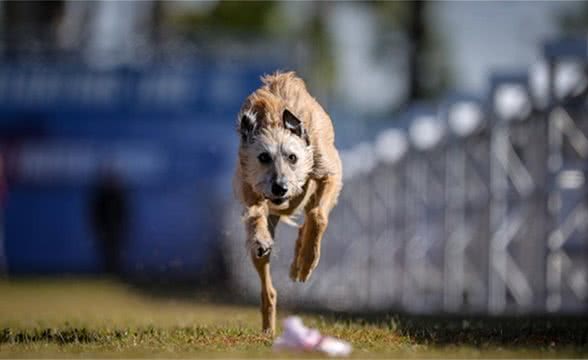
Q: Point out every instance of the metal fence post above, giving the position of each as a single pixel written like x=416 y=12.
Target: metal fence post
x=567 y=243
x=388 y=188
x=423 y=275
x=518 y=213
x=467 y=199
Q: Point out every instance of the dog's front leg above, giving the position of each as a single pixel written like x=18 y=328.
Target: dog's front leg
x=308 y=245
x=268 y=295
x=260 y=241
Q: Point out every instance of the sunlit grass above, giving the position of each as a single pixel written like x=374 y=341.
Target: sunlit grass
x=98 y=318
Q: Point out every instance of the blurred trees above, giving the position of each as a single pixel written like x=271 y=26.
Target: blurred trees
x=306 y=42
x=302 y=32
x=306 y=31
x=110 y=27
x=252 y=18
x=29 y=24
x=428 y=75
x=576 y=21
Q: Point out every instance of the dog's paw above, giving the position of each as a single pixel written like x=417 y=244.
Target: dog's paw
x=261 y=248
x=268 y=332
x=306 y=270
x=301 y=270
x=306 y=265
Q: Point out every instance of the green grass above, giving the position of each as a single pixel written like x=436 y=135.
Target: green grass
x=100 y=318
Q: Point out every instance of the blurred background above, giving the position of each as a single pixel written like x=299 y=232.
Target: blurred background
x=462 y=127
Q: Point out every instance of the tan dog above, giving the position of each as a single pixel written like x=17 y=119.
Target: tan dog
x=287 y=162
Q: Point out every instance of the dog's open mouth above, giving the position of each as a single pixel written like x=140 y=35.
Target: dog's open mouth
x=278 y=201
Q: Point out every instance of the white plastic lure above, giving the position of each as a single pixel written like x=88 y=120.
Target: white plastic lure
x=297 y=337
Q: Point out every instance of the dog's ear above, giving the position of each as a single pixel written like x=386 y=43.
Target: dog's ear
x=247 y=125
x=292 y=123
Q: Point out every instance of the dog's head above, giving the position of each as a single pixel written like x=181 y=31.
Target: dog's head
x=275 y=154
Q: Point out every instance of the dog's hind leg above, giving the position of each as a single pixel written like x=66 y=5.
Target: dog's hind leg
x=297 y=248
x=315 y=225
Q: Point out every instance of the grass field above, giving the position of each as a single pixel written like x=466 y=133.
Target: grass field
x=101 y=318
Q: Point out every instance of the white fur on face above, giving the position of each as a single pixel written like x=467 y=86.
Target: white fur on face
x=279 y=144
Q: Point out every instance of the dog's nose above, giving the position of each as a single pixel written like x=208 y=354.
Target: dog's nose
x=279 y=189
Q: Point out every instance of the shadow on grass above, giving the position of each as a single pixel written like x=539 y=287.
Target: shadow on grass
x=480 y=331
x=182 y=336
x=61 y=336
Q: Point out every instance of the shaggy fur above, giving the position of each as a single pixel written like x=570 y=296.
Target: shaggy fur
x=287 y=163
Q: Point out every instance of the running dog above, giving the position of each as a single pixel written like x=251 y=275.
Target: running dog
x=287 y=163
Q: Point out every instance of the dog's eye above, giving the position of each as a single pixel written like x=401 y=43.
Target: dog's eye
x=293 y=158
x=264 y=158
